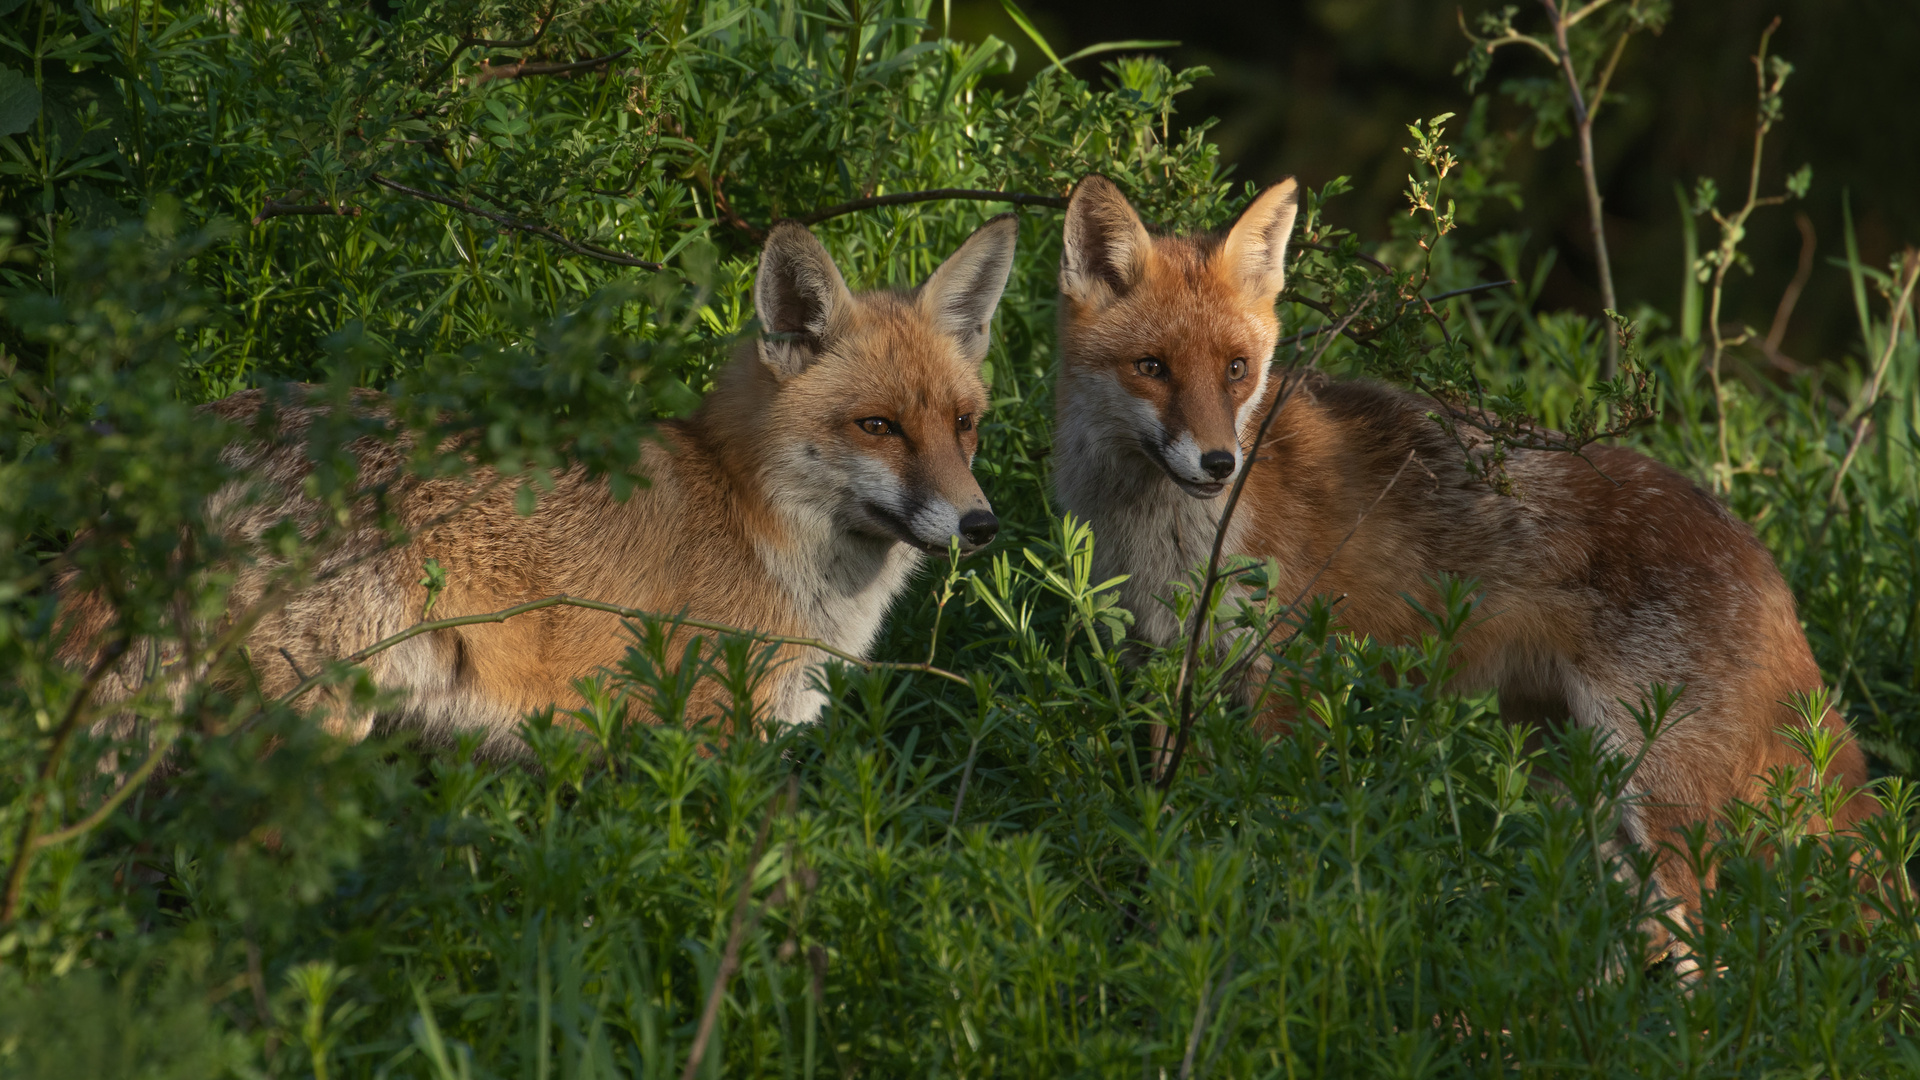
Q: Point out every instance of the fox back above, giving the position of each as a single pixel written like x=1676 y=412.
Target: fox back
x=835 y=449
x=1603 y=576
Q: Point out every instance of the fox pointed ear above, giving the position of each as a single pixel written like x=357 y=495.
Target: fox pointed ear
x=963 y=292
x=800 y=297
x=1255 y=252
x=1107 y=246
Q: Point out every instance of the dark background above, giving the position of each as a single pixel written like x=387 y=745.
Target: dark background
x=1319 y=88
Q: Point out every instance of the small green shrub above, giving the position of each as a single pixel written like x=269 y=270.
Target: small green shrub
x=533 y=225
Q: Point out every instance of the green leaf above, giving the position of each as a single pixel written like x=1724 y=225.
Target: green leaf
x=1020 y=19
x=19 y=102
x=1117 y=46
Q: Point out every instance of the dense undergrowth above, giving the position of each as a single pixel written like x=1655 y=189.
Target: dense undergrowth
x=935 y=879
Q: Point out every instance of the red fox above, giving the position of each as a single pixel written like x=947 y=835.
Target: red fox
x=1598 y=580
x=835 y=450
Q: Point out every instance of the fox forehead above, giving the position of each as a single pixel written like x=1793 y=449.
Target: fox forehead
x=893 y=359
x=1186 y=306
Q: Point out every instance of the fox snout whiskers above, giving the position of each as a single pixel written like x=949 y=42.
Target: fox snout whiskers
x=932 y=527
x=1202 y=475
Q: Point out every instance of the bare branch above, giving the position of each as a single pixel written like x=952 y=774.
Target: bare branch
x=1203 y=615
x=1583 y=127
x=1802 y=273
x=527 y=71
x=1290 y=339
x=466 y=43
x=545 y=232
x=730 y=956
x=37 y=801
x=1017 y=198
x=1909 y=275
x=1361 y=255
x=273 y=209
x=563 y=600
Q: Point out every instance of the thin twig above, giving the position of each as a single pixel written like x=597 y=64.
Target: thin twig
x=1583 y=126
x=545 y=232
x=272 y=209
x=37 y=801
x=1299 y=597
x=1304 y=334
x=1909 y=274
x=730 y=958
x=1789 y=299
x=526 y=71
x=1017 y=198
x=563 y=600
x=1361 y=255
x=1731 y=231
x=1203 y=616
x=1200 y=1017
x=466 y=43
x=161 y=747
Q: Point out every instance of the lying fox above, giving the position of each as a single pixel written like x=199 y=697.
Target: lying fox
x=834 y=450
x=1600 y=579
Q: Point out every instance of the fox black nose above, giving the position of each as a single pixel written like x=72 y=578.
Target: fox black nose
x=1217 y=463
x=979 y=527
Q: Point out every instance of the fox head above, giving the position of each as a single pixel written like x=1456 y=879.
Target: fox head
x=1165 y=340
x=873 y=415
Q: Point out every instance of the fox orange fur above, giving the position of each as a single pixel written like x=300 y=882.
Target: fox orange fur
x=798 y=500
x=1598 y=580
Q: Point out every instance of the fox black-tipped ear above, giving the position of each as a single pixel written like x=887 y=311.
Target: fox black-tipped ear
x=1255 y=252
x=1107 y=246
x=800 y=297
x=963 y=292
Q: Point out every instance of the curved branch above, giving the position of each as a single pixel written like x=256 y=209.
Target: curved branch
x=563 y=600
x=544 y=232
x=526 y=71
x=1361 y=255
x=1017 y=198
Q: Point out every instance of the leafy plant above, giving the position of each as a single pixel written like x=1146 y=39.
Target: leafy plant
x=532 y=225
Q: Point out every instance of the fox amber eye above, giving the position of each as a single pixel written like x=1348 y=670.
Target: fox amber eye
x=1237 y=368
x=964 y=422
x=1151 y=367
x=877 y=425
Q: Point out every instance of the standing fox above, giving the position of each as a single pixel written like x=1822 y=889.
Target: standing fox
x=796 y=501
x=1600 y=579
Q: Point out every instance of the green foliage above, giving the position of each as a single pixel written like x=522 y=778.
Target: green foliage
x=533 y=226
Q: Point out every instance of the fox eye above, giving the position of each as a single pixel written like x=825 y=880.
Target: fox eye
x=1151 y=367
x=878 y=425
x=1237 y=368
x=964 y=422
